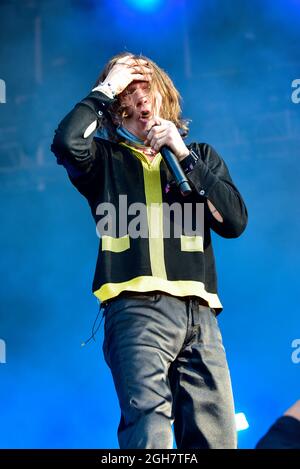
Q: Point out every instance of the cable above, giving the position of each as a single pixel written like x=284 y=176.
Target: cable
x=94 y=332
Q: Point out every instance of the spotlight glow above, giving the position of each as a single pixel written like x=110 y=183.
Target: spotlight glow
x=145 y=5
x=241 y=422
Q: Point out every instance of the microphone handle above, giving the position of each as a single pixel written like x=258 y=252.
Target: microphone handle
x=176 y=170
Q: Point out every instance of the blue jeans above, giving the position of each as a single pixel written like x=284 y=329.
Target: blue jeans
x=169 y=367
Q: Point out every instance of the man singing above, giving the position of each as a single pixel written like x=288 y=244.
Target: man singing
x=158 y=291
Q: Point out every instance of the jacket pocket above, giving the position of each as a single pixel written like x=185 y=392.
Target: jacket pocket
x=109 y=243
x=191 y=243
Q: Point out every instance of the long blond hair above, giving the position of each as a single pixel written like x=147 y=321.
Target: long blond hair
x=170 y=108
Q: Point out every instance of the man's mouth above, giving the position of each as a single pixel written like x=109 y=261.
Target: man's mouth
x=145 y=116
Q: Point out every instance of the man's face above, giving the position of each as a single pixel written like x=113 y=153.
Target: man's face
x=140 y=107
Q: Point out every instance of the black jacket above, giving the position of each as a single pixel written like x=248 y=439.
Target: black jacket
x=102 y=170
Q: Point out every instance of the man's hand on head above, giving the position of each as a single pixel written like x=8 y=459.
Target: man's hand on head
x=126 y=70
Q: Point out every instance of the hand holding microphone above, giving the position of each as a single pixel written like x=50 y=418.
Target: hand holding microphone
x=163 y=136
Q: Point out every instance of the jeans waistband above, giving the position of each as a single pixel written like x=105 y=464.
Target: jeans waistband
x=196 y=299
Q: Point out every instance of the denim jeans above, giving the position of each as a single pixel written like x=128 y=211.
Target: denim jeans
x=169 y=367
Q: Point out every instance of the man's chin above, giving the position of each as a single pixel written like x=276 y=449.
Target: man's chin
x=145 y=120
x=143 y=132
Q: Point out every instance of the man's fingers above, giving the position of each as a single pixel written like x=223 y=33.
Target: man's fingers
x=138 y=77
x=154 y=121
x=159 y=142
x=140 y=70
x=136 y=61
x=155 y=131
x=126 y=59
x=157 y=139
x=129 y=62
x=143 y=63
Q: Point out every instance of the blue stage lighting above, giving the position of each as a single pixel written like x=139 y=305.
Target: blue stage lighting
x=145 y=5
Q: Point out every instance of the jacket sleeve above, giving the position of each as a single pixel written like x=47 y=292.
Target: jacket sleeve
x=283 y=434
x=210 y=178
x=73 y=144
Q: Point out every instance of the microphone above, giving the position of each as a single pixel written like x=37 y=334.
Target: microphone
x=176 y=170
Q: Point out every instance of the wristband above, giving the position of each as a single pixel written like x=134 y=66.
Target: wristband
x=105 y=88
